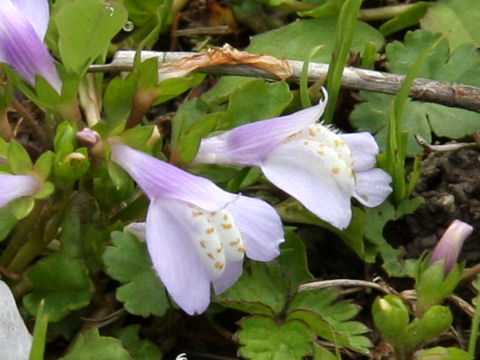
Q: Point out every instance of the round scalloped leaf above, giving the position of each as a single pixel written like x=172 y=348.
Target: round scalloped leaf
x=262 y=338
x=91 y=346
x=63 y=283
x=456 y=18
x=128 y=262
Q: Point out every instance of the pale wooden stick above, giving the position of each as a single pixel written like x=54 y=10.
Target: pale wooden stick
x=453 y=95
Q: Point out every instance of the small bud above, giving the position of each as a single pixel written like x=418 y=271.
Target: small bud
x=450 y=244
x=391 y=317
x=88 y=137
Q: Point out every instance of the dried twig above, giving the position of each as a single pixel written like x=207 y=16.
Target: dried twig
x=453 y=95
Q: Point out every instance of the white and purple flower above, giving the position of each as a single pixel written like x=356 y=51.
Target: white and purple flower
x=450 y=244
x=15 y=186
x=196 y=233
x=23 y=24
x=319 y=167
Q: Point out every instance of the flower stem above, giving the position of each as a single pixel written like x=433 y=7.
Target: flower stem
x=21 y=235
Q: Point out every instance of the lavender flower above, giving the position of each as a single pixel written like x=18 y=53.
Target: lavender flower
x=450 y=244
x=197 y=233
x=23 y=24
x=319 y=167
x=16 y=186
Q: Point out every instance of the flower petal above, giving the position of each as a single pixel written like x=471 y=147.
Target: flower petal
x=137 y=229
x=372 y=187
x=249 y=144
x=315 y=176
x=231 y=274
x=160 y=179
x=15 y=340
x=23 y=49
x=174 y=256
x=15 y=186
x=364 y=150
x=260 y=226
x=37 y=13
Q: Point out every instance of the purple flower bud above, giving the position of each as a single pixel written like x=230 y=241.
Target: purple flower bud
x=23 y=24
x=88 y=137
x=450 y=244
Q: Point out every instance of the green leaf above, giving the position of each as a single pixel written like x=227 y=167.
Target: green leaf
x=295 y=41
x=91 y=346
x=82 y=233
x=18 y=158
x=261 y=290
x=118 y=100
x=85 y=29
x=264 y=339
x=418 y=117
x=7 y=222
x=63 y=283
x=139 y=349
x=292 y=211
x=128 y=262
x=293 y=259
x=408 y=18
x=329 y=319
x=441 y=353
x=456 y=18
x=257 y=100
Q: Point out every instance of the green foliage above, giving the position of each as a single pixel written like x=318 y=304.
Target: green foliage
x=7 y=222
x=85 y=30
x=433 y=285
x=441 y=353
x=345 y=31
x=83 y=236
x=252 y=101
x=62 y=283
x=391 y=317
x=128 y=262
x=455 y=18
x=264 y=339
x=300 y=37
x=270 y=291
x=408 y=18
x=91 y=346
x=18 y=158
x=418 y=117
x=139 y=349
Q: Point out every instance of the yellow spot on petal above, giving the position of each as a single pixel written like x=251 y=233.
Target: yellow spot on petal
x=225 y=217
x=220 y=249
x=321 y=152
x=241 y=249
x=338 y=142
x=226 y=226
x=305 y=143
x=203 y=244
x=335 y=170
x=235 y=243
x=312 y=132
x=210 y=231
x=197 y=213
x=210 y=255
x=219 y=265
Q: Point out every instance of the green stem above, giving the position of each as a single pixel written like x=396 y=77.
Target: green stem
x=383 y=13
x=472 y=341
x=21 y=235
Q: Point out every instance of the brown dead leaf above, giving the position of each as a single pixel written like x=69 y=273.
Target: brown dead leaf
x=227 y=55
